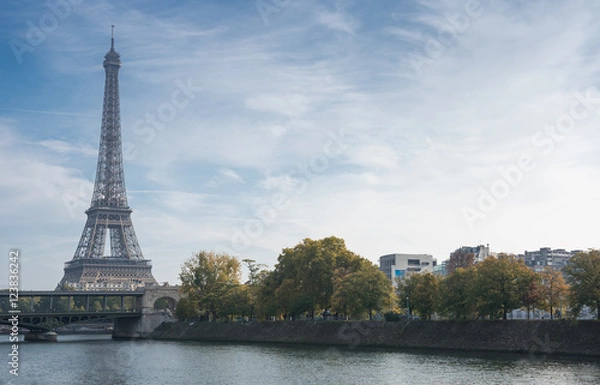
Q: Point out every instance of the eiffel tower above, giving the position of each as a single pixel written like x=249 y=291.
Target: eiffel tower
x=109 y=215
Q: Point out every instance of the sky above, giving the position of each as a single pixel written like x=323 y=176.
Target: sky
x=247 y=126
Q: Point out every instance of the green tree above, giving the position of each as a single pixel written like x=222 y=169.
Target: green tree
x=253 y=283
x=306 y=273
x=207 y=277
x=342 y=300
x=266 y=285
x=64 y=287
x=366 y=290
x=25 y=303
x=458 y=299
x=97 y=306
x=113 y=303
x=236 y=301
x=62 y=304
x=186 y=309
x=502 y=282
x=404 y=291
x=421 y=290
x=290 y=301
x=583 y=275
x=377 y=290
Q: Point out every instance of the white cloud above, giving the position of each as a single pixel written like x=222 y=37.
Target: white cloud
x=420 y=145
x=35 y=183
x=64 y=147
x=231 y=175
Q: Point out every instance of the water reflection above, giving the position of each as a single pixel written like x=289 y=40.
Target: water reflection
x=103 y=361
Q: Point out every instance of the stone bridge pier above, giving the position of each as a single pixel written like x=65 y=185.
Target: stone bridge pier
x=151 y=318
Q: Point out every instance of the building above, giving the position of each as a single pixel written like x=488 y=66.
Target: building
x=400 y=265
x=441 y=269
x=108 y=256
x=480 y=252
x=555 y=258
x=465 y=257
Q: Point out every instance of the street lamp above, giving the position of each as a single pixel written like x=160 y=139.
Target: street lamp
x=408 y=307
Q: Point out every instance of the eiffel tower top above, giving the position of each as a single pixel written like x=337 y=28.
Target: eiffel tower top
x=112 y=57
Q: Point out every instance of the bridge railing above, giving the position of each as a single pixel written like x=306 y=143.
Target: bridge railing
x=40 y=302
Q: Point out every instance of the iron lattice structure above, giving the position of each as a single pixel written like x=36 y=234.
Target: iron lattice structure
x=109 y=215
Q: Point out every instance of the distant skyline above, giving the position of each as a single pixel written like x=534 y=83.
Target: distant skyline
x=401 y=127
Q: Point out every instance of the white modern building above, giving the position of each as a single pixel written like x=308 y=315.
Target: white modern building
x=400 y=265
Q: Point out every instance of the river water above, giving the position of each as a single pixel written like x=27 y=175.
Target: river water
x=83 y=360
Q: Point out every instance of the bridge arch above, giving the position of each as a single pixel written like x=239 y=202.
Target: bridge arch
x=152 y=294
x=165 y=303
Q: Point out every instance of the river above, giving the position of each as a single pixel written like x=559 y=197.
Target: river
x=83 y=360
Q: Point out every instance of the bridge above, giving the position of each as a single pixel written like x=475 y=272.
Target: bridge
x=134 y=312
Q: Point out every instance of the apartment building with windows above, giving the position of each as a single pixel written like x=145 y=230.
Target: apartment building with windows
x=400 y=265
x=546 y=256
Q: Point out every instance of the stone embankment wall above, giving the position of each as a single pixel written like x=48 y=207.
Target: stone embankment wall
x=543 y=337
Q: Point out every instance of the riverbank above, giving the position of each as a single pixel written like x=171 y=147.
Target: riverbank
x=581 y=338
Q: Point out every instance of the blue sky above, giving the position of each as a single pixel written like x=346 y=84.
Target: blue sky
x=399 y=126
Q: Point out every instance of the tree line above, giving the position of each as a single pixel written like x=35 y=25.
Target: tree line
x=493 y=288
x=314 y=278
x=324 y=278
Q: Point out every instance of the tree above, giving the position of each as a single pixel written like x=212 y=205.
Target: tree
x=366 y=290
x=266 y=306
x=342 y=300
x=236 y=301
x=404 y=292
x=502 y=282
x=376 y=290
x=460 y=259
x=291 y=301
x=207 y=277
x=422 y=293
x=532 y=297
x=458 y=299
x=60 y=304
x=553 y=290
x=583 y=274
x=186 y=309
x=253 y=270
x=64 y=287
x=306 y=273
x=252 y=283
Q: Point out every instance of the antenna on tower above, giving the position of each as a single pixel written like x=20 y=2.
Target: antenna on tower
x=112 y=37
